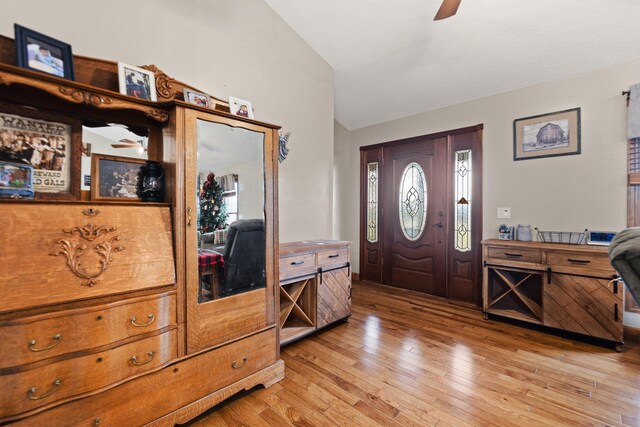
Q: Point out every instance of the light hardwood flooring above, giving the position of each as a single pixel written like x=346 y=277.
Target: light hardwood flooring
x=407 y=359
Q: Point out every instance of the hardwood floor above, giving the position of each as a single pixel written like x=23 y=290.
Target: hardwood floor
x=406 y=359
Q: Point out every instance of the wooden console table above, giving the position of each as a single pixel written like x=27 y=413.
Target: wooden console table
x=565 y=287
x=315 y=286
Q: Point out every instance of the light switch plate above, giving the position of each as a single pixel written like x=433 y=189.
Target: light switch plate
x=504 y=213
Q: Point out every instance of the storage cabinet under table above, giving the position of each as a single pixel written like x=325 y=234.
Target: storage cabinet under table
x=566 y=287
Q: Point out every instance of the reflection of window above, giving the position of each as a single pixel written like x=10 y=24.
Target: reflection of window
x=372 y=202
x=229 y=185
x=462 y=227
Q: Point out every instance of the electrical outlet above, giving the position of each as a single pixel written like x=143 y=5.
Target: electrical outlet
x=504 y=213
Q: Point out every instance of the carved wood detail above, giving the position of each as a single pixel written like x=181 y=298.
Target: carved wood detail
x=159 y=115
x=85 y=97
x=164 y=83
x=74 y=251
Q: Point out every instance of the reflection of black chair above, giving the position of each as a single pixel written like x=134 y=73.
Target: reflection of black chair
x=244 y=256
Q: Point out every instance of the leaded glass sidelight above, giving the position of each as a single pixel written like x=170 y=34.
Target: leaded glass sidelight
x=413 y=201
x=462 y=208
x=372 y=202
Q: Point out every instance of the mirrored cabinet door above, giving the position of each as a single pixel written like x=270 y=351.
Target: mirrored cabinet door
x=229 y=236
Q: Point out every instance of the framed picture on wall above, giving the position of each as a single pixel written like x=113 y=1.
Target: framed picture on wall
x=137 y=82
x=42 y=53
x=547 y=135
x=240 y=107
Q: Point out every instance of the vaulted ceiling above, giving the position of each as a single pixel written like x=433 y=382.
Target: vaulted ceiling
x=392 y=60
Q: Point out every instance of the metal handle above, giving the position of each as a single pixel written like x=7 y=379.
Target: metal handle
x=134 y=359
x=440 y=224
x=334 y=256
x=513 y=255
x=55 y=340
x=297 y=262
x=189 y=217
x=140 y=325
x=616 y=316
x=579 y=261
x=32 y=391
x=235 y=365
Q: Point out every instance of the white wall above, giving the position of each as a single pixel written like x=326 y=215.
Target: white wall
x=225 y=48
x=567 y=193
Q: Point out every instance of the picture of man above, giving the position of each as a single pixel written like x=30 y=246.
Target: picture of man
x=44 y=56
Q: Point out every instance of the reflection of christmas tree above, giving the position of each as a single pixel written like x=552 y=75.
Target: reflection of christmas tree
x=213 y=212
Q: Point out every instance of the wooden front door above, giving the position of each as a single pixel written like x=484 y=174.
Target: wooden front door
x=414 y=222
x=421 y=221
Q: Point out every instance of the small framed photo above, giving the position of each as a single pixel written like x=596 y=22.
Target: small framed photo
x=42 y=53
x=240 y=107
x=197 y=98
x=116 y=178
x=16 y=180
x=137 y=82
x=547 y=135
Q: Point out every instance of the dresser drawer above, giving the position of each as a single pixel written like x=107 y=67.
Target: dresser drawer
x=515 y=254
x=146 y=398
x=336 y=256
x=30 y=389
x=36 y=338
x=582 y=260
x=58 y=253
x=292 y=265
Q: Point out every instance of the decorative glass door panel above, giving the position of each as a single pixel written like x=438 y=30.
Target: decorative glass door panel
x=413 y=201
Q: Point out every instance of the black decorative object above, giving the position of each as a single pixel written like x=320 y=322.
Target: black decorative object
x=152 y=182
x=282 y=147
x=42 y=53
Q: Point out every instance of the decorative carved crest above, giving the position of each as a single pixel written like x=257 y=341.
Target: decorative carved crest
x=74 y=251
x=164 y=83
x=90 y=212
x=83 y=96
x=159 y=115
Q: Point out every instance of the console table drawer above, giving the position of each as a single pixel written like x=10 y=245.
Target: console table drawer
x=36 y=338
x=294 y=264
x=31 y=389
x=591 y=261
x=333 y=257
x=515 y=254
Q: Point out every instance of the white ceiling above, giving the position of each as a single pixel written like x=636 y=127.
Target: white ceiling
x=392 y=60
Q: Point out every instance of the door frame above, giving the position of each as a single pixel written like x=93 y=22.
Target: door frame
x=375 y=152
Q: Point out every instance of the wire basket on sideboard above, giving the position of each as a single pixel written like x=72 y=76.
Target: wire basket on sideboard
x=568 y=237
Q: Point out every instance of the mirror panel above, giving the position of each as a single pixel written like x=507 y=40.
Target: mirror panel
x=230 y=198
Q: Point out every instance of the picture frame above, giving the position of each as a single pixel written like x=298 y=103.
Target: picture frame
x=116 y=178
x=197 y=98
x=547 y=135
x=137 y=82
x=39 y=52
x=16 y=181
x=50 y=143
x=240 y=107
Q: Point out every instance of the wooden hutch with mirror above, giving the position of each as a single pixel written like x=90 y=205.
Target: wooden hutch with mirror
x=116 y=311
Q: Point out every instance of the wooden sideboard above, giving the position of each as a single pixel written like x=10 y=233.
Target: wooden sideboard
x=564 y=287
x=103 y=318
x=315 y=286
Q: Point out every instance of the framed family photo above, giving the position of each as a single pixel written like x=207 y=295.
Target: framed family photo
x=240 y=107
x=137 y=82
x=547 y=135
x=42 y=53
x=197 y=98
x=116 y=178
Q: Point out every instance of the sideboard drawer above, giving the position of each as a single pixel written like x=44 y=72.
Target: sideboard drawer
x=31 y=389
x=36 y=338
x=591 y=261
x=291 y=265
x=335 y=256
x=515 y=254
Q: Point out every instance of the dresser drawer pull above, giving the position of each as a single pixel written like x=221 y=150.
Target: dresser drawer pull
x=579 y=261
x=32 y=391
x=513 y=255
x=298 y=262
x=134 y=359
x=235 y=365
x=151 y=317
x=334 y=256
x=55 y=340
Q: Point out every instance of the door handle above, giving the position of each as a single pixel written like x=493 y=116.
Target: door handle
x=440 y=224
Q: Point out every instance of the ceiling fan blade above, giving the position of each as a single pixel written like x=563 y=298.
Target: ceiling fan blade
x=122 y=146
x=129 y=142
x=447 y=9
